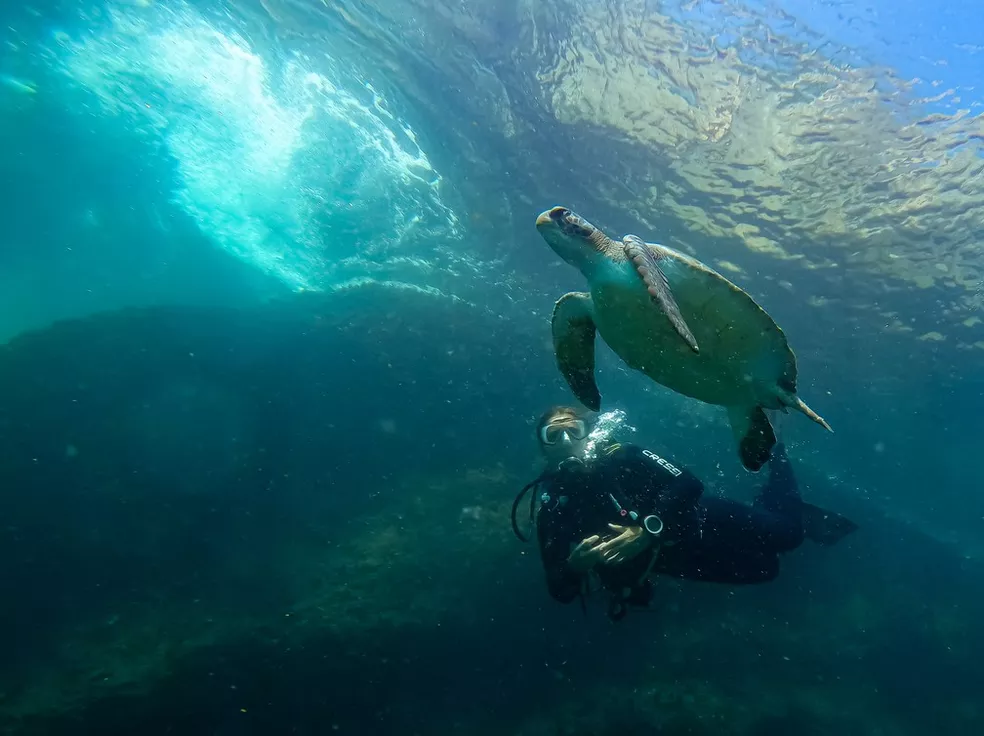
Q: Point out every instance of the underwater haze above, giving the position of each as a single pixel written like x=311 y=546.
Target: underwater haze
x=275 y=329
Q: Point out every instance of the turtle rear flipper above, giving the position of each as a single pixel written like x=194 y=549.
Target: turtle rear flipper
x=573 y=330
x=646 y=263
x=754 y=434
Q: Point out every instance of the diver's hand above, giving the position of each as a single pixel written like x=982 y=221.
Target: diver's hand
x=630 y=542
x=585 y=555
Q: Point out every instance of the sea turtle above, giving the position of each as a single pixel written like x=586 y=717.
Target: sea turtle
x=678 y=322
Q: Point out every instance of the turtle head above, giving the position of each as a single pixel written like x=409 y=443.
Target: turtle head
x=572 y=237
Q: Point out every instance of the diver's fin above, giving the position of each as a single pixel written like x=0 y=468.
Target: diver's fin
x=574 y=345
x=754 y=435
x=646 y=261
x=825 y=527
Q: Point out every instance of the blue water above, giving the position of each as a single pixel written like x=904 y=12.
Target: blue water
x=941 y=44
x=276 y=326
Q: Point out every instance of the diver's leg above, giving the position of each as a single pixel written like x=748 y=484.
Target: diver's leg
x=781 y=492
x=781 y=499
x=739 y=543
x=797 y=519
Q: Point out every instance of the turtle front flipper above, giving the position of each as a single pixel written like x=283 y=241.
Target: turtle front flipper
x=754 y=434
x=573 y=330
x=646 y=262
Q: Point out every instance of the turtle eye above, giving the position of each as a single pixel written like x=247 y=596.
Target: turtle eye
x=559 y=213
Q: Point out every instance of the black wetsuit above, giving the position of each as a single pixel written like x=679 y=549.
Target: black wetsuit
x=709 y=539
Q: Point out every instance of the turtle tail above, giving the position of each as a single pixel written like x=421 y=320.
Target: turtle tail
x=795 y=402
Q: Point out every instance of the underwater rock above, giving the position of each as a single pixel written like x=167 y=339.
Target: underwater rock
x=166 y=453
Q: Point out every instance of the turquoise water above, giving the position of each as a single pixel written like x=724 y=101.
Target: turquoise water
x=269 y=278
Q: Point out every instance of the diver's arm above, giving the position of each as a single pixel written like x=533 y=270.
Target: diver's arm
x=563 y=582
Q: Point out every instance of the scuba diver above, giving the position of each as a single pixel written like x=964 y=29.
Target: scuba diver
x=624 y=514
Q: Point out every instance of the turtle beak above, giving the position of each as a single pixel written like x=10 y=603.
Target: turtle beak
x=551 y=216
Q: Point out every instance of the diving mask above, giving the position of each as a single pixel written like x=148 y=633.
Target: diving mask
x=566 y=431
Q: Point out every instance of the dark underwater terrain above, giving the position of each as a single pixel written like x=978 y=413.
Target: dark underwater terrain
x=274 y=332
